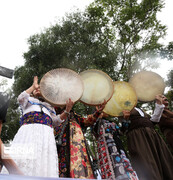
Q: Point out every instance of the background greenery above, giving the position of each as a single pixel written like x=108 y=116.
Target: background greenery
x=119 y=37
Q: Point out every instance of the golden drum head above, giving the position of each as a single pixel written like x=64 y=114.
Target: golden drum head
x=124 y=98
x=147 y=85
x=98 y=86
x=58 y=85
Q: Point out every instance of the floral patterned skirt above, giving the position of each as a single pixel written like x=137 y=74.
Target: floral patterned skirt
x=74 y=161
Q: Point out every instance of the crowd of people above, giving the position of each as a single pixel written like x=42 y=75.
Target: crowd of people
x=58 y=148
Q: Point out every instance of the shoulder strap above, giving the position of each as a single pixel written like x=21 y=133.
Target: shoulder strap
x=33 y=103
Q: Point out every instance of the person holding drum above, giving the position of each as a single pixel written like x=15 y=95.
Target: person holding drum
x=166 y=123
x=149 y=153
x=112 y=158
x=34 y=144
x=74 y=161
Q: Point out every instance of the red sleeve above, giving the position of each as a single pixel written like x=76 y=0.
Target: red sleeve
x=89 y=120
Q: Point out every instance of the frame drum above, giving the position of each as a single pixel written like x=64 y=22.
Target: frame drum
x=98 y=86
x=124 y=98
x=58 y=85
x=147 y=85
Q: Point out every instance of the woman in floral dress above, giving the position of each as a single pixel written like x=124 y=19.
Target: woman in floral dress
x=74 y=160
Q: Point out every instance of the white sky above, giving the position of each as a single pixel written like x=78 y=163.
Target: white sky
x=20 y=19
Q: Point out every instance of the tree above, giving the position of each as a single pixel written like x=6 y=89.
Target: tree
x=167 y=51
x=118 y=37
x=11 y=125
x=134 y=30
x=74 y=44
x=169 y=94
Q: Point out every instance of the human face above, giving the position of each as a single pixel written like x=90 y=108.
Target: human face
x=165 y=101
x=37 y=92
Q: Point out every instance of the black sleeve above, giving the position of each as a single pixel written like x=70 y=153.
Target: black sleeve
x=4 y=102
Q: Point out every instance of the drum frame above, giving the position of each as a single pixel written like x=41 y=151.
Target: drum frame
x=108 y=77
x=61 y=69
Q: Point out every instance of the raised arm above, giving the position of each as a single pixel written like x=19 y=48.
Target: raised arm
x=34 y=86
x=91 y=119
x=23 y=97
x=159 y=107
x=60 y=118
x=69 y=105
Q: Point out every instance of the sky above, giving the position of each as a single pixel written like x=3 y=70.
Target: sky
x=21 y=19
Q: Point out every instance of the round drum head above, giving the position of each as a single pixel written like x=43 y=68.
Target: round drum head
x=147 y=85
x=98 y=86
x=58 y=85
x=124 y=98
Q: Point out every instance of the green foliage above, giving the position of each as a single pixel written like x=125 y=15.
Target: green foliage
x=113 y=36
x=11 y=126
x=170 y=79
x=76 y=43
x=23 y=79
x=119 y=37
x=133 y=29
x=169 y=94
x=83 y=109
x=167 y=51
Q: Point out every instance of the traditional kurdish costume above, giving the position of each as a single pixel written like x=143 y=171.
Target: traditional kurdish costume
x=166 y=126
x=35 y=142
x=73 y=156
x=111 y=155
x=149 y=153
